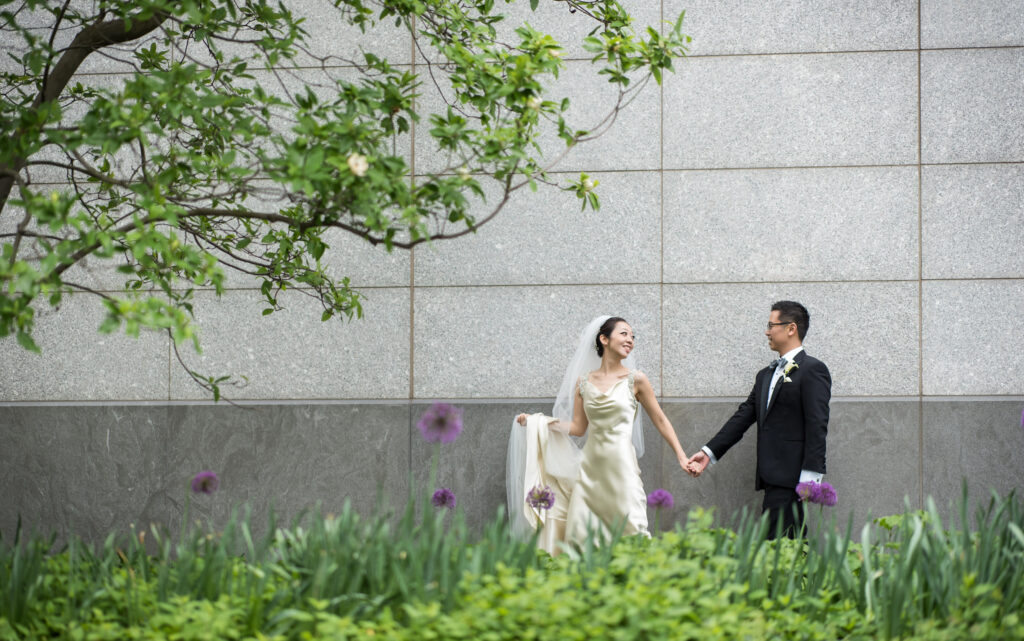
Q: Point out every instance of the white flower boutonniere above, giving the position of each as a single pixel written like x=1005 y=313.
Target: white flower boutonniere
x=790 y=366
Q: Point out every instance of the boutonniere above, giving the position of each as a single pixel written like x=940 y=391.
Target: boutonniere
x=790 y=366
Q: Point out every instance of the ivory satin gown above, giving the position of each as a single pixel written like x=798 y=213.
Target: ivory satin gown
x=608 y=493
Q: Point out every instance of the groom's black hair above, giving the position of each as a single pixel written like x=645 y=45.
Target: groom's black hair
x=793 y=312
x=606 y=331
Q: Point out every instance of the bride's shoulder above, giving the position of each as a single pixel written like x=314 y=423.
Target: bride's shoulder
x=583 y=378
x=640 y=378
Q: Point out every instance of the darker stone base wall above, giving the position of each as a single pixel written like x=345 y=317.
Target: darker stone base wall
x=90 y=470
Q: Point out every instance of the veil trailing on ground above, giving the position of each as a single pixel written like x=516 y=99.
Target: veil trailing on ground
x=563 y=453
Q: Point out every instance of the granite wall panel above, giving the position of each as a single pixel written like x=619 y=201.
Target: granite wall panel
x=728 y=226
x=863 y=437
x=77 y=363
x=85 y=470
x=792 y=111
x=728 y=486
x=569 y=27
x=515 y=342
x=473 y=466
x=720 y=27
x=292 y=354
x=721 y=328
x=972 y=339
x=972 y=221
x=971 y=23
x=328 y=455
x=544 y=238
x=330 y=34
x=629 y=140
x=971 y=104
x=977 y=442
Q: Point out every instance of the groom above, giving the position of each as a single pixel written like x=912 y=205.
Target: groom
x=789 y=403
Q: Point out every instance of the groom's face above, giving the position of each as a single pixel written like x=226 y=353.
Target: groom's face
x=778 y=333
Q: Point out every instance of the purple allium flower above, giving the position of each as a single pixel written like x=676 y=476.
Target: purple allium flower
x=541 y=497
x=443 y=497
x=827 y=496
x=813 y=492
x=805 y=490
x=205 y=482
x=441 y=423
x=660 y=498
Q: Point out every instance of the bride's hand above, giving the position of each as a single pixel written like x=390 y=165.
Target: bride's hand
x=521 y=419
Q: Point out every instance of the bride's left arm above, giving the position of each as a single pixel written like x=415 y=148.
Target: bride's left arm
x=645 y=394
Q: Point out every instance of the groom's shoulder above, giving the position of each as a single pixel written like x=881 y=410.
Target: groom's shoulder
x=809 y=362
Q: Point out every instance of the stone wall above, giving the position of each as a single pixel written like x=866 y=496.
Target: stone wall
x=865 y=157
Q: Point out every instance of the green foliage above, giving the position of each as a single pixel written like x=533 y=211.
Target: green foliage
x=342 y=565
x=420 y=576
x=230 y=145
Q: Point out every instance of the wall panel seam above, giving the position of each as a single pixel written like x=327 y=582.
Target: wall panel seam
x=505 y=400
x=920 y=273
x=844 y=52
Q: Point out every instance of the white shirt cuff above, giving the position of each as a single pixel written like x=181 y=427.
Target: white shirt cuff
x=711 y=455
x=807 y=475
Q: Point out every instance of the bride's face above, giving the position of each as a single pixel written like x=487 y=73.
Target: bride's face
x=621 y=340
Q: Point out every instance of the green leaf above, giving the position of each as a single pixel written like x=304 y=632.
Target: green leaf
x=656 y=72
x=25 y=340
x=109 y=324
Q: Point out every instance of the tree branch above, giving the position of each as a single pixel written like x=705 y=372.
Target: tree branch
x=90 y=39
x=53 y=35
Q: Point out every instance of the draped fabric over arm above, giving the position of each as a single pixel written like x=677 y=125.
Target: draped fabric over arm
x=540 y=456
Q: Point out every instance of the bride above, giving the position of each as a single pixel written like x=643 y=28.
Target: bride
x=596 y=487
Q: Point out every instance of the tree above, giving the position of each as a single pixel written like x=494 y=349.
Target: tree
x=231 y=145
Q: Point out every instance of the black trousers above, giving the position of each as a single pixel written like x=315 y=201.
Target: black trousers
x=782 y=504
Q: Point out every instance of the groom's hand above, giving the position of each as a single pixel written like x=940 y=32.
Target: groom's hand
x=521 y=419
x=696 y=464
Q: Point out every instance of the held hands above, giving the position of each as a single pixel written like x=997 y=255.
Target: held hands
x=697 y=463
x=689 y=467
x=521 y=419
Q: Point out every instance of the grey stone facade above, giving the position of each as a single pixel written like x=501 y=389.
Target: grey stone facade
x=865 y=157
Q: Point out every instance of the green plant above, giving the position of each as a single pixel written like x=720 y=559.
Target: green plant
x=419 y=575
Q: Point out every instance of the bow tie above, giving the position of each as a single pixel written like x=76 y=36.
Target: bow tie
x=775 y=364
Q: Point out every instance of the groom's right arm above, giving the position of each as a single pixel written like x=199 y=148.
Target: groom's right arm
x=733 y=430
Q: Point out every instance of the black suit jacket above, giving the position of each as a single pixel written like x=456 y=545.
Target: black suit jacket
x=791 y=429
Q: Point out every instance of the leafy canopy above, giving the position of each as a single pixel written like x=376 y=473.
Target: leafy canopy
x=226 y=143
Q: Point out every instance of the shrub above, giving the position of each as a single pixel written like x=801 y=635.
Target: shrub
x=421 y=577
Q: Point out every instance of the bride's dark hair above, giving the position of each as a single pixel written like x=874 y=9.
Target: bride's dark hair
x=606 y=331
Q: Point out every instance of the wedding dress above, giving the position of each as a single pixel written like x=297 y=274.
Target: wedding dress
x=608 y=493
x=597 y=490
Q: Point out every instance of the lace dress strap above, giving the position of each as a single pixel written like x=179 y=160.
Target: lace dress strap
x=579 y=383
x=632 y=386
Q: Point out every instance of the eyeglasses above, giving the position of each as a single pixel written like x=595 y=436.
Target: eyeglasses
x=771 y=324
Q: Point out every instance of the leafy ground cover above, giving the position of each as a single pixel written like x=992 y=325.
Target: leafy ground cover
x=420 y=575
